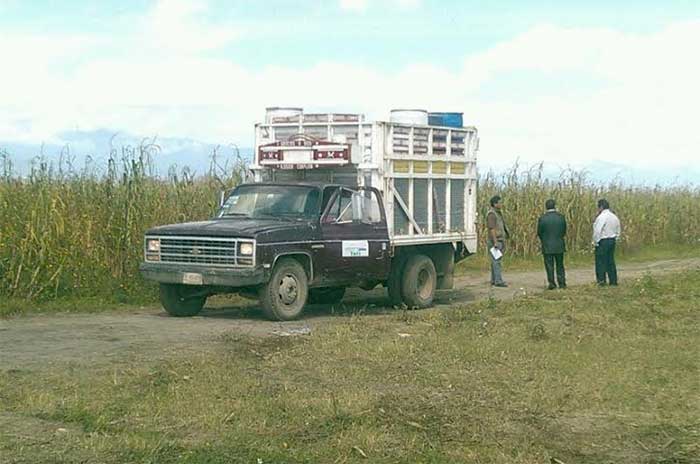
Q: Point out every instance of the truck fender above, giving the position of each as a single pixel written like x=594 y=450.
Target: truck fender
x=307 y=262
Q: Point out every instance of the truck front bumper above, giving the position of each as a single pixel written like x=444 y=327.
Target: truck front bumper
x=182 y=274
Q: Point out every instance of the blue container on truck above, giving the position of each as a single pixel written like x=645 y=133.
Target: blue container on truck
x=445 y=119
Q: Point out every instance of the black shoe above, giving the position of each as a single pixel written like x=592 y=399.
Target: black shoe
x=563 y=287
x=552 y=287
x=500 y=284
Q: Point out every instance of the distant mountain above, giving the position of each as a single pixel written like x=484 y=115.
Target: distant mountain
x=168 y=152
x=77 y=147
x=604 y=171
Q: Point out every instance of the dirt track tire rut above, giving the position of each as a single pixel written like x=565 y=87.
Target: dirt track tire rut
x=36 y=340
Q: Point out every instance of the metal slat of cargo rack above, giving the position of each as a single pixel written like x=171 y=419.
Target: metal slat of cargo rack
x=439 y=216
x=401 y=221
x=430 y=202
x=469 y=207
x=457 y=200
x=430 y=142
x=420 y=203
x=448 y=145
x=410 y=204
x=448 y=205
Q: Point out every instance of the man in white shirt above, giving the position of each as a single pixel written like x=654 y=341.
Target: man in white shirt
x=606 y=230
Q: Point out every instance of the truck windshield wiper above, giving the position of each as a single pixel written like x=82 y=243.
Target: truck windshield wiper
x=235 y=214
x=294 y=216
x=279 y=216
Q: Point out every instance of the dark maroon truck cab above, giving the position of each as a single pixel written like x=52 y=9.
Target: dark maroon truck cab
x=288 y=244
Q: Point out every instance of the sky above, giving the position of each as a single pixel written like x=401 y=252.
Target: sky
x=567 y=83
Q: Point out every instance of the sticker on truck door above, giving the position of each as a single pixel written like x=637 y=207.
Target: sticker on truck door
x=355 y=248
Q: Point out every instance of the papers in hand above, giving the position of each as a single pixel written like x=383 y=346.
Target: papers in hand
x=496 y=253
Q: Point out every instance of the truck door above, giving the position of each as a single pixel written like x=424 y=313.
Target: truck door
x=355 y=237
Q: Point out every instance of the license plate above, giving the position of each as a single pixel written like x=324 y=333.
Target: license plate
x=192 y=278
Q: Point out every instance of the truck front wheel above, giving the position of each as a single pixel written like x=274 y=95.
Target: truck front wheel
x=419 y=282
x=284 y=296
x=177 y=302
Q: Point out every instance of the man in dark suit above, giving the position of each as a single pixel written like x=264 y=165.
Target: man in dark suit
x=551 y=229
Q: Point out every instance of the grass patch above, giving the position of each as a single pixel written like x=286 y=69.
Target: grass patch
x=96 y=304
x=583 y=376
x=18 y=306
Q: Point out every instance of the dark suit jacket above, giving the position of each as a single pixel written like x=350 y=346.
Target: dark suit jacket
x=551 y=229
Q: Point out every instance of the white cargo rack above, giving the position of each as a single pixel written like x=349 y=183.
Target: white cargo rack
x=427 y=174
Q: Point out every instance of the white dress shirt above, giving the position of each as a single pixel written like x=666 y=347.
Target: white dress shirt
x=606 y=225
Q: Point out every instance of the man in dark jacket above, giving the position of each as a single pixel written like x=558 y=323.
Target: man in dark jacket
x=551 y=229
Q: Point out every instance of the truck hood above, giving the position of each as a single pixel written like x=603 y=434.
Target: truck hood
x=263 y=230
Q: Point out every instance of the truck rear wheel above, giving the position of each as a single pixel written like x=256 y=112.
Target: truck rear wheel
x=419 y=282
x=393 y=284
x=283 y=298
x=177 y=302
x=331 y=295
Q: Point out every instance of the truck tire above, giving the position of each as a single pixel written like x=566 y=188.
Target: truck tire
x=331 y=295
x=177 y=303
x=394 y=282
x=283 y=298
x=418 y=282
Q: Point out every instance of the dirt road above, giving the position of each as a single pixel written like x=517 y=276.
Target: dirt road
x=35 y=341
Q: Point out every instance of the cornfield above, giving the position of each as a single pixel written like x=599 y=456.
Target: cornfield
x=65 y=232
x=69 y=232
x=650 y=216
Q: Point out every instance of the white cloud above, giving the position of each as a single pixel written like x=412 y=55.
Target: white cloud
x=362 y=5
x=174 y=25
x=644 y=113
x=642 y=116
x=408 y=4
x=353 y=5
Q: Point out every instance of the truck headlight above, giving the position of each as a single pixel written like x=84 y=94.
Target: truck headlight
x=153 y=245
x=246 y=249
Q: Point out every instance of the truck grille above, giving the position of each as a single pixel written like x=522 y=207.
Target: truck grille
x=208 y=251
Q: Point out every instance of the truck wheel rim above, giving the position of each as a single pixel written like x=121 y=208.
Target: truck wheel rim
x=288 y=290
x=424 y=284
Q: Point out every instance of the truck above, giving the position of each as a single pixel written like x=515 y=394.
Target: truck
x=334 y=201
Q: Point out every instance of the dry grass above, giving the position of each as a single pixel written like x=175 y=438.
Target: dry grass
x=584 y=376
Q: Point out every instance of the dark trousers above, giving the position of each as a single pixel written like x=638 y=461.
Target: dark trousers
x=605 y=262
x=550 y=262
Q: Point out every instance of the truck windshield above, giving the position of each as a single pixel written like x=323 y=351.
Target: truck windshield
x=281 y=201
